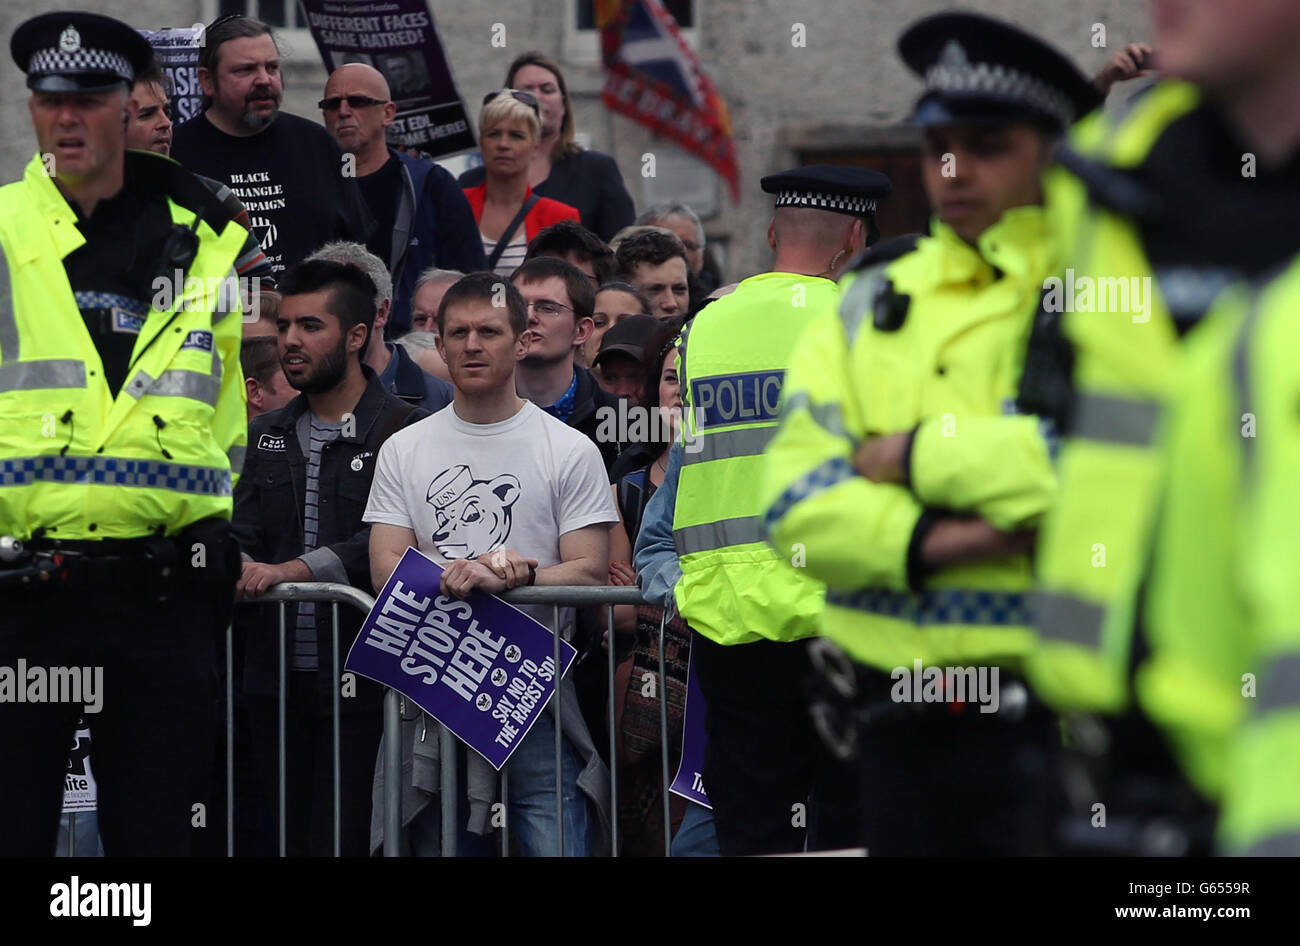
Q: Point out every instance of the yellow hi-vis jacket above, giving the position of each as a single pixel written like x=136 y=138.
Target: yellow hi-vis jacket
x=1220 y=600
x=734 y=587
x=74 y=461
x=1125 y=360
x=950 y=371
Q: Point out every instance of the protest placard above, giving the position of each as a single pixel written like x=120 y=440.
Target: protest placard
x=177 y=51
x=689 y=783
x=399 y=38
x=79 y=792
x=479 y=666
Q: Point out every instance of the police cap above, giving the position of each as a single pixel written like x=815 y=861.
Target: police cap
x=846 y=190
x=78 y=52
x=979 y=70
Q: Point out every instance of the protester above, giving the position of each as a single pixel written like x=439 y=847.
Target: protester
x=430 y=287
x=561 y=169
x=422 y=219
x=268 y=389
x=615 y=301
x=638 y=714
x=550 y=489
x=685 y=224
x=150 y=129
x=654 y=260
x=127 y=482
x=574 y=243
x=398 y=374
x=559 y=303
x=287 y=170
x=508 y=213
x=620 y=366
x=298 y=518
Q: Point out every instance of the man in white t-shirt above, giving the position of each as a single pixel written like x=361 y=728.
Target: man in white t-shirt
x=503 y=494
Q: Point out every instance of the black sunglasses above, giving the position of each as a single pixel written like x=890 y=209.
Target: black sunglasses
x=332 y=103
x=526 y=97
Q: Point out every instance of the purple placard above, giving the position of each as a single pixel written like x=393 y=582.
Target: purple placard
x=689 y=783
x=479 y=666
x=400 y=39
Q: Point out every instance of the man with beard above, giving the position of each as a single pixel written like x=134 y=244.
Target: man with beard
x=298 y=518
x=299 y=189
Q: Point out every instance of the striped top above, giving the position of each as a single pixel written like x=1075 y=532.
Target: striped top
x=305 y=648
x=513 y=254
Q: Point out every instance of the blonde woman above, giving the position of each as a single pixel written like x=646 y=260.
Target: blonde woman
x=562 y=169
x=508 y=213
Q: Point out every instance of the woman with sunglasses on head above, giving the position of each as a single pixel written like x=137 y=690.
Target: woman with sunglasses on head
x=508 y=213
x=561 y=169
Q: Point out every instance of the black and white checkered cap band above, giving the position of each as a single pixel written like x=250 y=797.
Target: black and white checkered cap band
x=55 y=61
x=998 y=81
x=840 y=203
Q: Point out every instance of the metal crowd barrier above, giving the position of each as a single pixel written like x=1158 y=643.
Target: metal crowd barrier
x=334 y=593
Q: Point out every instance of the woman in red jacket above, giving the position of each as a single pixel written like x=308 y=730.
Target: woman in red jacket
x=507 y=211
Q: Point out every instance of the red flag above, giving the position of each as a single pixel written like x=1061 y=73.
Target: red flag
x=654 y=78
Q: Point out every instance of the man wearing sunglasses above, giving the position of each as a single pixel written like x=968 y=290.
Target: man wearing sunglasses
x=422 y=218
x=288 y=172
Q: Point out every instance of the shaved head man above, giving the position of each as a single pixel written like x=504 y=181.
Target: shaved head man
x=437 y=230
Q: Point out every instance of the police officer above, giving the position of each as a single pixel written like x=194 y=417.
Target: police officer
x=701 y=549
x=1180 y=192
x=124 y=430
x=1218 y=600
x=902 y=472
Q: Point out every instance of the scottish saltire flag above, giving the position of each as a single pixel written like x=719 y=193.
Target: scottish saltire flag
x=654 y=78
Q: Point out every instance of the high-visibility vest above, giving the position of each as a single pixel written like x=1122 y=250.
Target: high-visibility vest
x=934 y=342
x=1220 y=600
x=75 y=461
x=735 y=588
x=1125 y=359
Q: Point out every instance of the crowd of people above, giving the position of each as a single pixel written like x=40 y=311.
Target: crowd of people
x=866 y=499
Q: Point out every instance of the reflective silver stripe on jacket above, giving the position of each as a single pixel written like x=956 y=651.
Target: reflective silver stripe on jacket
x=236 y=457
x=1285 y=844
x=722 y=534
x=1279 y=684
x=725 y=444
x=176 y=383
x=826 y=416
x=1126 y=421
x=1066 y=619
x=40 y=375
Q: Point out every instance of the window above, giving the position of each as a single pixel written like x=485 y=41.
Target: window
x=285 y=15
x=582 y=39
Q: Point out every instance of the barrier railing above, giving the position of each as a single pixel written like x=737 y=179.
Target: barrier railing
x=336 y=594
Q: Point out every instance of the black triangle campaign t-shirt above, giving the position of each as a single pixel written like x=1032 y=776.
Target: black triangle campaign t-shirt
x=291 y=178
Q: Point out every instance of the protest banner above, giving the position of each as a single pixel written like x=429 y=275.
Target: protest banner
x=689 y=783
x=479 y=666
x=399 y=38
x=177 y=50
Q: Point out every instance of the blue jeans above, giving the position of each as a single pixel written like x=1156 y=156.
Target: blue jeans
x=696 y=836
x=85 y=839
x=530 y=807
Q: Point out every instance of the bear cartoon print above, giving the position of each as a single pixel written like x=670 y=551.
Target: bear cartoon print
x=473 y=516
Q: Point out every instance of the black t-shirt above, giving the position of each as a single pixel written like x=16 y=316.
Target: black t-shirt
x=112 y=273
x=380 y=189
x=289 y=176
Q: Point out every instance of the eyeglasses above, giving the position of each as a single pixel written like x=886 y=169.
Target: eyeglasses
x=526 y=97
x=547 y=307
x=332 y=103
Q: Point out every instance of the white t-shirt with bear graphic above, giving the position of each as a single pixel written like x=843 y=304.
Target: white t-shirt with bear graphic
x=469 y=489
